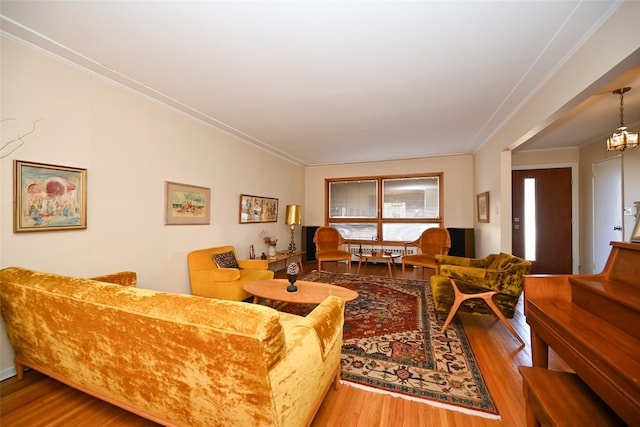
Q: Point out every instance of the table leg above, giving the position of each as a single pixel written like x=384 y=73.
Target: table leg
x=389 y=267
x=359 y=264
x=539 y=351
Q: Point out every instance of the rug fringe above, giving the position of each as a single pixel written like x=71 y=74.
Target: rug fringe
x=425 y=401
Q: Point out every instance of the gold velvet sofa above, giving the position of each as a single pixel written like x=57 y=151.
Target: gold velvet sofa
x=179 y=360
x=208 y=280
x=503 y=273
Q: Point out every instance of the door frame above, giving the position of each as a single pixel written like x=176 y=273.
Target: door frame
x=575 y=206
x=593 y=268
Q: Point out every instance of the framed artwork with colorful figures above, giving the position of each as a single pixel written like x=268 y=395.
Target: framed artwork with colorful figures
x=48 y=197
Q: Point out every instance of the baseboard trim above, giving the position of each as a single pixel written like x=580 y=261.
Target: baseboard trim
x=7 y=373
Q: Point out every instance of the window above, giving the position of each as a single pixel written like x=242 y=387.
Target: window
x=353 y=199
x=384 y=209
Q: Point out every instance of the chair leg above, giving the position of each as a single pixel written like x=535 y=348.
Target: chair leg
x=496 y=310
x=319 y=268
x=487 y=297
x=459 y=299
x=403 y=270
x=452 y=312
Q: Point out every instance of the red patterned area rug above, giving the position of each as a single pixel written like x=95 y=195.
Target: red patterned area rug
x=392 y=344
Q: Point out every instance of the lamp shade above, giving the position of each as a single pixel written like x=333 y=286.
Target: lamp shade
x=293 y=215
x=621 y=138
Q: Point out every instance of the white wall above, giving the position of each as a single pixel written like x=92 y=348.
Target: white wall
x=610 y=46
x=459 y=202
x=589 y=155
x=130 y=146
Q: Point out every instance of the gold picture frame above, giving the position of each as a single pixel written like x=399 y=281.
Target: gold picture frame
x=483 y=207
x=257 y=209
x=48 y=197
x=187 y=204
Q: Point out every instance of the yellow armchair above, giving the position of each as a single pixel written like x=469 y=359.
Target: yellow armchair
x=209 y=280
x=490 y=285
x=432 y=242
x=329 y=244
x=502 y=273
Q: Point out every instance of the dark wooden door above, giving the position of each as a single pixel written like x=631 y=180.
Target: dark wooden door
x=552 y=197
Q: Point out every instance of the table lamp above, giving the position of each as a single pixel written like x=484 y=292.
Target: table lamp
x=292 y=219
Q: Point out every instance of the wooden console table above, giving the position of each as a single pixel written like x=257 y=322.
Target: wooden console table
x=284 y=256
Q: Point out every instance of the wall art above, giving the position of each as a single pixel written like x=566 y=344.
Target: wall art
x=483 y=207
x=187 y=204
x=48 y=197
x=258 y=209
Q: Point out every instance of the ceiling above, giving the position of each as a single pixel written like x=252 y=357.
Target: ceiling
x=339 y=81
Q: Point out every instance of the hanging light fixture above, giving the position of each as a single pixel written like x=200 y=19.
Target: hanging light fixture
x=622 y=139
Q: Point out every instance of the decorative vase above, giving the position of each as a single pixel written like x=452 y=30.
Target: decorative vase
x=272 y=251
x=292 y=280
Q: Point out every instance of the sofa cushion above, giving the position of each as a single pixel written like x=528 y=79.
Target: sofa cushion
x=225 y=260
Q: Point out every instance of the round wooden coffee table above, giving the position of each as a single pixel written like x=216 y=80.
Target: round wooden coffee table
x=308 y=292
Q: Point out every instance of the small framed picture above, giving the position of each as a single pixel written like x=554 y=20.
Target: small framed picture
x=187 y=204
x=48 y=197
x=483 y=207
x=258 y=209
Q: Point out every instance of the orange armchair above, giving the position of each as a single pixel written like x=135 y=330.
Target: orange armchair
x=209 y=280
x=328 y=242
x=432 y=241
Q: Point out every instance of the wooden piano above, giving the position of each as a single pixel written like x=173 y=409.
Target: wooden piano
x=593 y=323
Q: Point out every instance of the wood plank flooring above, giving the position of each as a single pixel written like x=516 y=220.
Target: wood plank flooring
x=38 y=400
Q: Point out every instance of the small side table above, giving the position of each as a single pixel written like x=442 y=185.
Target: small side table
x=284 y=256
x=366 y=256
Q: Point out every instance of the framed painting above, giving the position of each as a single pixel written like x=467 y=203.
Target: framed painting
x=187 y=204
x=258 y=209
x=48 y=197
x=483 y=207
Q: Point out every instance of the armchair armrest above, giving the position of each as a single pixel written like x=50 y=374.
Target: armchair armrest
x=124 y=278
x=327 y=320
x=253 y=264
x=406 y=245
x=453 y=260
x=465 y=262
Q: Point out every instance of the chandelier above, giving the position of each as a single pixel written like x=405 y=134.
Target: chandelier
x=621 y=138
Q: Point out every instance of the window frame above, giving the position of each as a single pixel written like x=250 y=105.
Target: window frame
x=379 y=220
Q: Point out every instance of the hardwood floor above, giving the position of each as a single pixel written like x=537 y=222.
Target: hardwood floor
x=40 y=400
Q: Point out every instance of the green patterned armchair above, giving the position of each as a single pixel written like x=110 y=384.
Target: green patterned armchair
x=502 y=273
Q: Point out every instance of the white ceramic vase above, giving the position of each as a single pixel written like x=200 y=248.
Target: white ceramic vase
x=272 y=252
